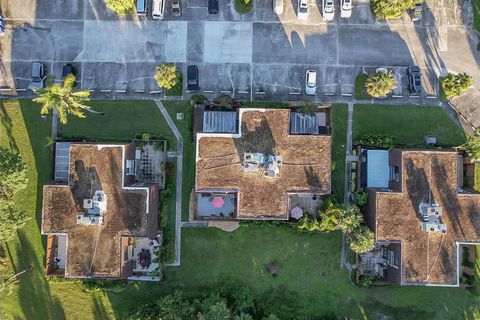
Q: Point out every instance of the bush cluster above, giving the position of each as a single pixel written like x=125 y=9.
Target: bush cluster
x=383 y=141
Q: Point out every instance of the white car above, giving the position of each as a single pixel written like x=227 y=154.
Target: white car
x=328 y=10
x=311 y=82
x=278 y=6
x=302 y=9
x=158 y=9
x=346 y=8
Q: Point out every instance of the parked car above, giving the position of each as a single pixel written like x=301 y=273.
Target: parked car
x=302 y=13
x=417 y=12
x=2 y=26
x=311 y=82
x=142 y=7
x=213 y=6
x=69 y=69
x=158 y=9
x=176 y=8
x=278 y=6
x=346 y=8
x=39 y=73
x=192 y=78
x=328 y=10
x=414 y=78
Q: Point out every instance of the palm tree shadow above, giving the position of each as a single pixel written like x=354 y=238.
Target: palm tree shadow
x=8 y=125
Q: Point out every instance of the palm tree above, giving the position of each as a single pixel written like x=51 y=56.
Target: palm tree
x=362 y=240
x=380 y=84
x=63 y=98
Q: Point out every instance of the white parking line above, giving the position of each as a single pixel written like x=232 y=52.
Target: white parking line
x=346 y=94
x=21 y=90
x=225 y=91
x=105 y=90
x=155 y=92
x=120 y=91
x=207 y=91
x=243 y=92
x=328 y=94
x=294 y=93
x=415 y=97
x=430 y=97
x=396 y=96
x=260 y=92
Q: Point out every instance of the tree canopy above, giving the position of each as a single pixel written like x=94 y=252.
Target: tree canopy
x=63 y=98
x=472 y=147
x=454 y=85
x=384 y=9
x=120 y=7
x=380 y=84
x=362 y=240
x=166 y=76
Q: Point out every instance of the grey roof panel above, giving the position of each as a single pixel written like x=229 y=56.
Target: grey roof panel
x=304 y=124
x=220 y=121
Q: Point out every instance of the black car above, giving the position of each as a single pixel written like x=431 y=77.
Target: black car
x=69 y=69
x=213 y=6
x=192 y=78
x=414 y=79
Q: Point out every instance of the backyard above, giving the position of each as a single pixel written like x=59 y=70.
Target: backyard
x=409 y=124
x=308 y=264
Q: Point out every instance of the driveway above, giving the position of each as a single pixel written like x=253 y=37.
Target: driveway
x=258 y=56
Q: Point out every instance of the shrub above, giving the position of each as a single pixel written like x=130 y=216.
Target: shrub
x=243 y=6
x=120 y=7
x=308 y=108
x=380 y=84
x=384 y=9
x=351 y=219
x=362 y=240
x=308 y=223
x=362 y=198
x=366 y=281
x=454 y=85
x=166 y=76
x=198 y=98
x=384 y=141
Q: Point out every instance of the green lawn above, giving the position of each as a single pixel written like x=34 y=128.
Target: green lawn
x=339 y=124
x=476 y=14
x=177 y=90
x=122 y=120
x=360 y=92
x=186 y=130
x=409 y=124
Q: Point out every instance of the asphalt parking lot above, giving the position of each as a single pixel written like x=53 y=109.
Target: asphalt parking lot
x=257 y=56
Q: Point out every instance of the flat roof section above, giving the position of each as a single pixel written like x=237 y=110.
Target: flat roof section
x=306 y=164
x=378 y=169
x=94 y=250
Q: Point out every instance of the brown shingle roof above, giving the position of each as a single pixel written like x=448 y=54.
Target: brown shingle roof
x=91 y=168
x=306 y=163
x=428 y=257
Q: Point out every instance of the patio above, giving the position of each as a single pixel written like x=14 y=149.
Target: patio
x=211 y=205
x=144 y=254
x=306 y=202
x=150 y=162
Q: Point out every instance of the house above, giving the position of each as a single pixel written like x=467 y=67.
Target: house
x=421 y=216
x=251 y=170
x=98 y=221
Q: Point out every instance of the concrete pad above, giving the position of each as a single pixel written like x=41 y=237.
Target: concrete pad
x=43 y=9
x=372 y=47
x=175 y=49
x=227 y=42
x=110 y=41
x=195 y=42
x=274 y=42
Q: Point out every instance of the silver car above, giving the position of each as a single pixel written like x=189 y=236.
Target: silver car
x=39 y=73
x=311 y=82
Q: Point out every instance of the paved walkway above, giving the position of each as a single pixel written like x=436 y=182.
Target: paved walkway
x=54 y=124
x=346 y=197
x=178 y=206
